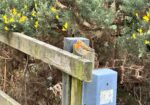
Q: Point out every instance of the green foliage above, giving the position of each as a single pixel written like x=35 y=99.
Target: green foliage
x=130 y=6
x=32 y=17
x=45 y=17
x=135 y=36
x=96 y=11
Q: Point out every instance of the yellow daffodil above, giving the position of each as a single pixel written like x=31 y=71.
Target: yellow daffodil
x=19 y=14
x=146 y=42
x=36 y=25
x=14 y=11
x=53 y=9
x=57 y=17
x=33 y=13
x=11 y=20
x=134 y=35
x=148 y=14
x=140 y=31
x=136 y=14
x=5 y=19
x=146 y=18
x=6 y=28
x=22 y=19
x=63 y=29
x=65 y=26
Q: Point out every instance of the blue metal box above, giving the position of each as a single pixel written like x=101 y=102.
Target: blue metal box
x=102 y=90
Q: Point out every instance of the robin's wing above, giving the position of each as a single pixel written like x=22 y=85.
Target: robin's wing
x=81 y=49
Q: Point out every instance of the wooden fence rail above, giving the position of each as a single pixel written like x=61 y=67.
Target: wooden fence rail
x=7 y=100
x=75 y=68
x=66 y=62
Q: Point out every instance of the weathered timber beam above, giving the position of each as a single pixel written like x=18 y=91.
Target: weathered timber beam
x=67 y=62
x=7 y=100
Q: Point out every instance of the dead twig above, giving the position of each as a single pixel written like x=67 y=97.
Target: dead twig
x=25 y=82
x=1 y=57
x=5 y=76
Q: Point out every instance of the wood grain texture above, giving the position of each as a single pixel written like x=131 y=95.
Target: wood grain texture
x=66 y=89
x=7 y=100
x=69 y=63
x=76 y=92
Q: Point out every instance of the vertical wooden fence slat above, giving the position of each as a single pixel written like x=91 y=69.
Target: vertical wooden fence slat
x=66 y=89
x=76 y=92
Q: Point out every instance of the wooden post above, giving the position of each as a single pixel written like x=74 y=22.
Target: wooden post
x=72 y=87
